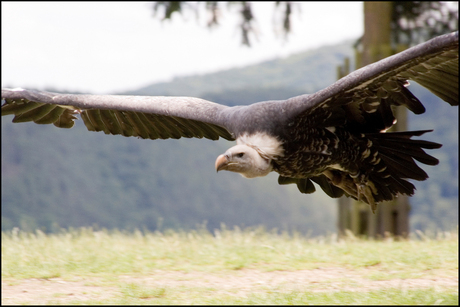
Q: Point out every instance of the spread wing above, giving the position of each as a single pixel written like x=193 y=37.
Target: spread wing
x=156 y=117
x=362 y=100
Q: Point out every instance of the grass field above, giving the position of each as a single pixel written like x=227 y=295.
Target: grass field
x=253 y=266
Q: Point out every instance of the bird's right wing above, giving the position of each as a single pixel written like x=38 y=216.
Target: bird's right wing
x=155 y=117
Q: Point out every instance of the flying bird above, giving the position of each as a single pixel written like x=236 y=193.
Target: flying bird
x=335 y=137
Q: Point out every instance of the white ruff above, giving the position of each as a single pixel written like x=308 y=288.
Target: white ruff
x=266 y=145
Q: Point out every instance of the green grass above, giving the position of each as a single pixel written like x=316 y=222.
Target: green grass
x=380 y=297
x=83 y=251
x=102 y=259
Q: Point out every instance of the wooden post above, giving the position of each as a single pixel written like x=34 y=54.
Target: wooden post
x=391 y=217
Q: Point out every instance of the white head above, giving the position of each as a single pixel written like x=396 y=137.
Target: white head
x=253 y=155
x=245 y=160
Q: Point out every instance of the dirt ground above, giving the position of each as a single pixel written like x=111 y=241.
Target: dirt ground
x=241 y=283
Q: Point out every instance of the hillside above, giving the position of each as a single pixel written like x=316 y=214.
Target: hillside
x=55 y=178
x=304 y=72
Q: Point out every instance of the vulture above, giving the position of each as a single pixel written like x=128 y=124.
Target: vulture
x=335 y=138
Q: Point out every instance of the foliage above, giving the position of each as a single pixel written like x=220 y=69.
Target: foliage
x=414 y=22
x=214 y=8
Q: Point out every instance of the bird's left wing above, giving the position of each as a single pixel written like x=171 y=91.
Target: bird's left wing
x=155 y=117
x=363 y=99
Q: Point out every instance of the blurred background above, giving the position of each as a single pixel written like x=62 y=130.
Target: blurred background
x=114 y=47
x=53 y=178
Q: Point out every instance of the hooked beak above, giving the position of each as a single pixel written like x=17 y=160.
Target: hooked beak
x=221 y=162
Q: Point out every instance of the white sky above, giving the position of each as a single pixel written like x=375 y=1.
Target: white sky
x=109 y=47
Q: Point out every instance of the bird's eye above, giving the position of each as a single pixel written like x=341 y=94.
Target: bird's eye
x=240 y=155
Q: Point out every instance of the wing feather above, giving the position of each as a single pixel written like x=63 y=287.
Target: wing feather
x=367 y=94
x=146 y=117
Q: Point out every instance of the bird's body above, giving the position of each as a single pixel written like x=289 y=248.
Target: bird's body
x=336 y=137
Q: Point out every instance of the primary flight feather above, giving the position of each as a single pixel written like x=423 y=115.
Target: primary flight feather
x=335 y=137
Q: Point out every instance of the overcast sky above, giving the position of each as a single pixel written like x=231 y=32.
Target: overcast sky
x=113 y=47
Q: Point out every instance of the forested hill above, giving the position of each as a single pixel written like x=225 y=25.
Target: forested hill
x=305 y=72
x=55 y=178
